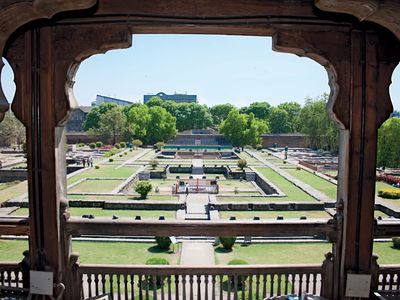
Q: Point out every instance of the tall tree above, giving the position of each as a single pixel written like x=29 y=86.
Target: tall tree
x=279 y=121
x=161 y=127
x=155 y=101
x=12 y=131
x=93 y=117
x=261 y=110
x=111 y=124
x=389 y=144
x=220 y=112
x=293 y=109
x=138 y=121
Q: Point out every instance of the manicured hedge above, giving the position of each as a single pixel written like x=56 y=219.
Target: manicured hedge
x=389 y=193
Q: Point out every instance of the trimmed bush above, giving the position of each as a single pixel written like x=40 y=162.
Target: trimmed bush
x=241 y=279
x=111 y=152
x=298 y=168
x=159 y=145
x=92 y=145
x=242 y=163
x=143 y=187
x=396 y=242
x=81 y=145
x=97 y=167
x=99 y=144
x=137 y=143
x=258 y=147
x=125 y=153
x=163 y=242
x=117 y=146
x=154 y=163
x=122 y=145
x=284 y=162
x=389 y=193
x=111 y=159
x=227 y=242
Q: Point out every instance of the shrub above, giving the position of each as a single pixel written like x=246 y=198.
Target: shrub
x=111 y=159
x=125 y=153
x=111 y=152
x=159 y=145
x=396 y=242
x=122 y=145
x=163 y=242
x=156 y=261
x=156 y=189
x=388 y=179
x=258 y=147
x=99 y=144
x=298 y=168
x=92 y=145
x=143 y=188
x=269 y=154
x=284 y=162
x=227 y=242
x=120 y=155
x=117 y=146
x=81 y=145
x=389 y=193
x=97 y=167
x=137 y=143
x=154 y=163
x=242 y=163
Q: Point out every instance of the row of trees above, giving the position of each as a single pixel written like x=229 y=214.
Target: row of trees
x=389 y=144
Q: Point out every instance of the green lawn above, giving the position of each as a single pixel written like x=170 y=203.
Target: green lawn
x=378 y=213
x=96 y=186
x=121 y=253
x=250 y=160
x=105 y=171
x=292 y=192
x=11 y=250
x=275 y=253
x=387 y=254
x=314 y=181
x=13 y=191
x=99 y=212
x=122 y=197
x=232 y=183
x=273 y=214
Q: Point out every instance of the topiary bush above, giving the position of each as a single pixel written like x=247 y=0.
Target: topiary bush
x=163 y=242
x=389 y=193
x=154 y=163
x=156 y=261
x=242 y=163
x=111 y=159
x=97 y=167
x=137 y=143
x=159 y=145
x=99 y=144
x=227 y=242
x=143 y=187
x=92 y=145
x=396 y=242
x=122 y=145
x=259 y=147
x=117 y=146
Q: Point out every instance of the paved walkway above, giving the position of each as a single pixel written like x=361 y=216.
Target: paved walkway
x=196 y=206
x=136 y=157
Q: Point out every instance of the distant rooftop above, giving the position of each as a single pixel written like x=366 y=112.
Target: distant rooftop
x=179 y=98
x=104 y=99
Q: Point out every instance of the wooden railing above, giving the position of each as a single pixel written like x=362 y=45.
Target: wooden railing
x=10 y=275
x=213 y=282
x=389 y=278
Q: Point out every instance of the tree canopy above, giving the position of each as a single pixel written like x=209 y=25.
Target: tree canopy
x=389 y=144
x=93 y=117
x=220 y=112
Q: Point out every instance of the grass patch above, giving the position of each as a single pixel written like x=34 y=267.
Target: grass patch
x=105 y=171
x=273 y=214
x=96 y=186
x=121 y=197
x=275 y=253
x=387 y=254
x=121 y=253
x=248 y=185
x=378 y=213
x=293 y=193
x=11 y=250
x=314 y=181
x=13 y=191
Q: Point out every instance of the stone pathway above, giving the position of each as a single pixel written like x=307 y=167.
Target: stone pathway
x=136 y=157
x=196 y=206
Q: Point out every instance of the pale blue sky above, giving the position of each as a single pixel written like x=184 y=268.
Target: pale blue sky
x=219 y=69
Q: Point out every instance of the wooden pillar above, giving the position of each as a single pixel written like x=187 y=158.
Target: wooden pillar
x=360 y=64
x=45 y=60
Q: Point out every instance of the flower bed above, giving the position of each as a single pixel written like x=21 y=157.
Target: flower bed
x=389 y=193
x=390 y=179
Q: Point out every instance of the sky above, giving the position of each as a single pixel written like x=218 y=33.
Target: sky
x=217 y=68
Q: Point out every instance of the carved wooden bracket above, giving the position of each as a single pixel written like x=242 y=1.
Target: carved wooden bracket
x=385 y=13
x=14 y=14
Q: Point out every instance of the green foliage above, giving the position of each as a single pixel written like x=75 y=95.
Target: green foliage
x=111 y=152
x=242 y=163
x=92 y=145
x=163 y=242
x=99 y=144
x=143 y=187
x=389 y=144
x=220 y=112
x=81 y=145
x=93 y=117
x=111 y=159
x=137 y=143
x=258 y=147
x=155 y=101
x=279 y=121
x=293 y=110
x=157 y=261
x=396 y=242
x=162 y=125
x=160 y=145
x=227 y=242
x=117 y=146
x=314 y=122
x=389 y=193
x=12 y=131
x=97 y=167
x=235 y=262
x=241 y=129
x=154 y=163
x=122 y=145
x=260 y=110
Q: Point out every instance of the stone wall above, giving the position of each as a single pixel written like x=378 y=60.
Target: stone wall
x=294 y=140
x=8 y=175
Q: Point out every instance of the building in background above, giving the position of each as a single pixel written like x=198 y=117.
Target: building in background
x=178 y=98
x=78 y=116
x=104 y=99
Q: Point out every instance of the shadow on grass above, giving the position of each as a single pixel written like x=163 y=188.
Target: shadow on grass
x=228 y=286
x=137 y=198
x=222 y=250
x=156 y=249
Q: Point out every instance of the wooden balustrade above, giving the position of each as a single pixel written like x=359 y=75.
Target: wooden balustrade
x=389 y=278
x=11 y=280
x=193 y=282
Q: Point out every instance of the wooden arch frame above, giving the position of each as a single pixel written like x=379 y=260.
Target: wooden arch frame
x=45 y=57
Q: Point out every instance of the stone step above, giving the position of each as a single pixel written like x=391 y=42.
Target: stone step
x=197 y=217
x=250 y=176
